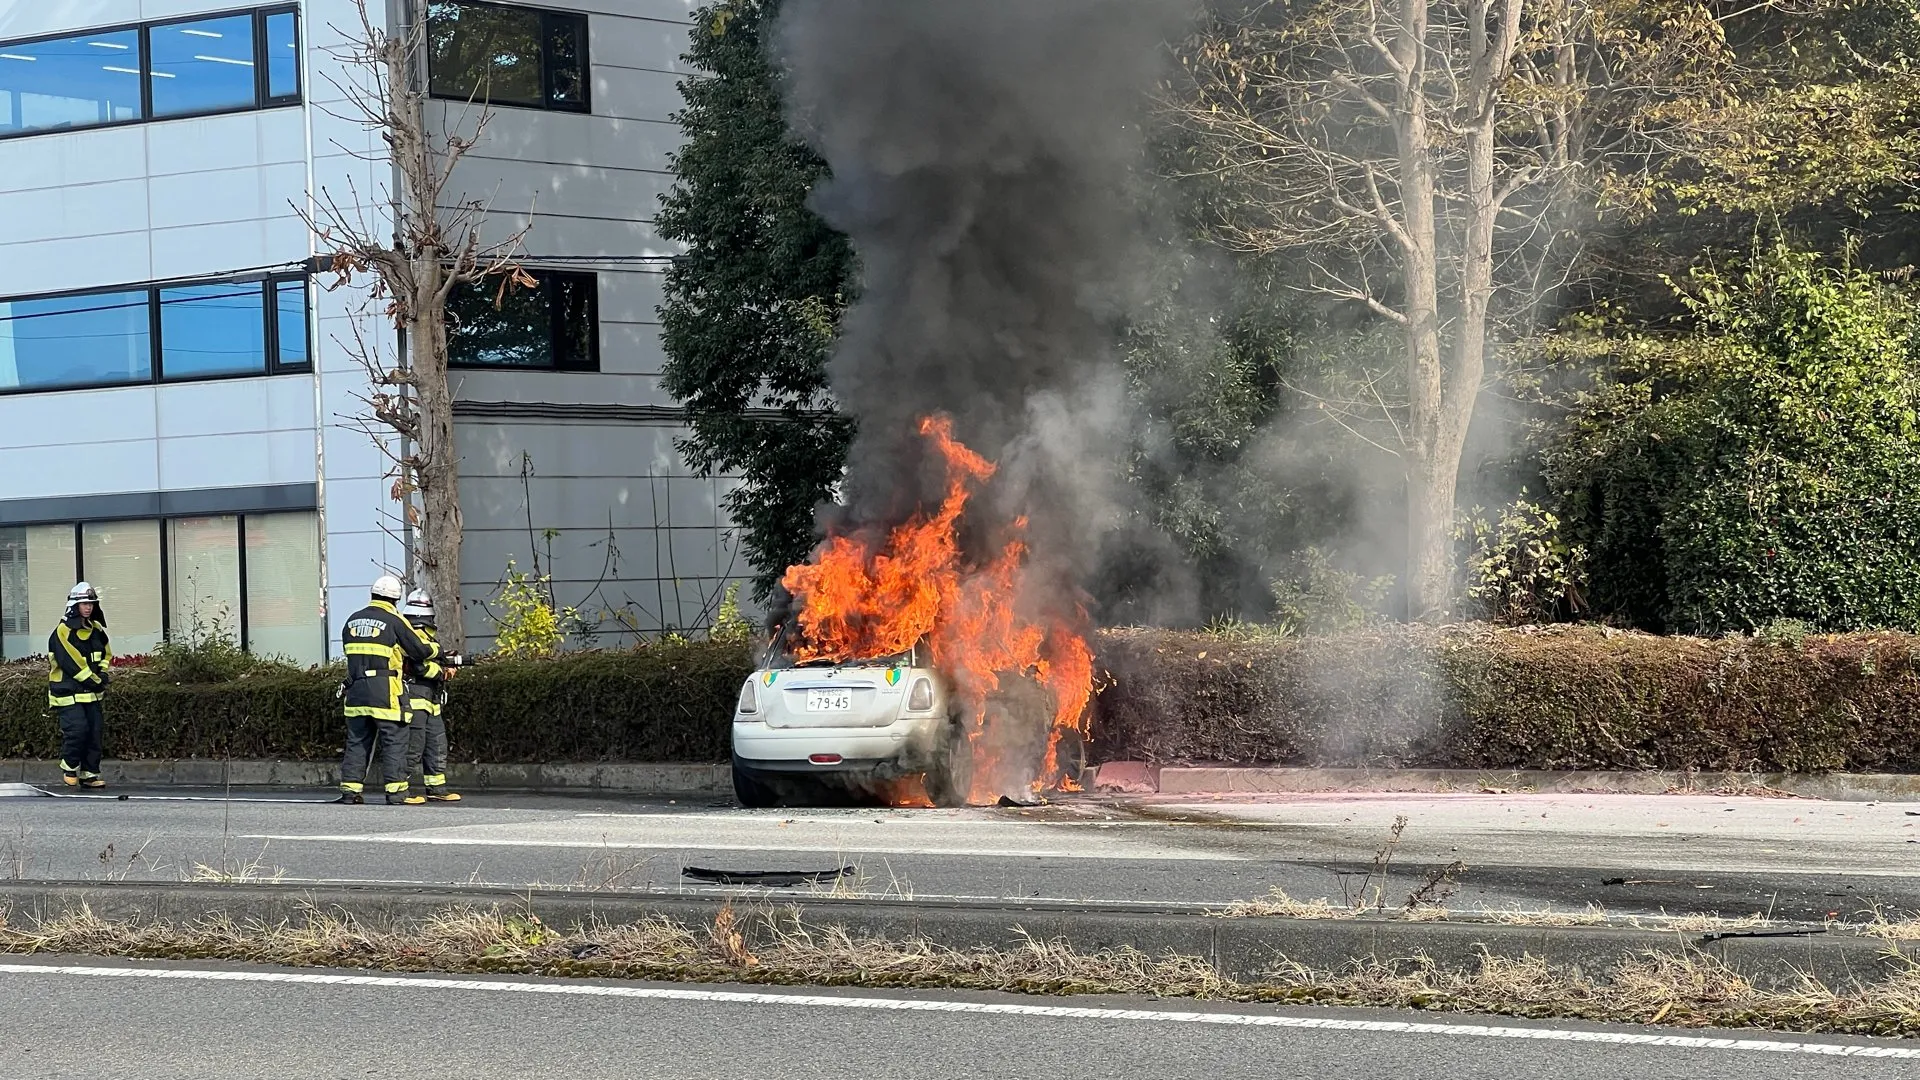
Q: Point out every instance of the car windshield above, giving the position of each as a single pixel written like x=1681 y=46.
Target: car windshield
x=780 y=655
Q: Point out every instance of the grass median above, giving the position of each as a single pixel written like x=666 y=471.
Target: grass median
x=767 y=944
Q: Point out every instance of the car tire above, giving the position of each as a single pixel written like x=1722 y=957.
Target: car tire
x=950 y=781
x=751 y=791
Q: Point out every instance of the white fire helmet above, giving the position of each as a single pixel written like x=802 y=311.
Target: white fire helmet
x=82 y=593
x=418 y=606
x=388 y=587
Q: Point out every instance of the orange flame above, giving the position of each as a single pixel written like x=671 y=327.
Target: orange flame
x=856 y=603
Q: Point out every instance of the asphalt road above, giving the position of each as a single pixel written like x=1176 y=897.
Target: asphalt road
x=1792 y=859
x=94 y=1020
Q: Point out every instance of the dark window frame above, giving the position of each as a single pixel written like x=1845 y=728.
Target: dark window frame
x=588 y=365
x=156 y=375
x=262 y=100
x=548 y=18
x=262 y=47
x=276 y=362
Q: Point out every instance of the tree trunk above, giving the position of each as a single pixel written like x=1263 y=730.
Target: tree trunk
x=1430 y=496
x=1430 y=474
x=437 y=547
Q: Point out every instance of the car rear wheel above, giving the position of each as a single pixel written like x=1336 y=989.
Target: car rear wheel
x=752 y=792
x=950 y=780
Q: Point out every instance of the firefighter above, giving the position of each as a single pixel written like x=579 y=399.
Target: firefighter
x=378 y=645
x=426 y=698
x=77 y=684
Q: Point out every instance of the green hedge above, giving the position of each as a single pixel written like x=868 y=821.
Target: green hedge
x=1562 y=698
x=658 y=703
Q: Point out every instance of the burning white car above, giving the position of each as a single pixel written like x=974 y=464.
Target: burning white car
x=803 y=727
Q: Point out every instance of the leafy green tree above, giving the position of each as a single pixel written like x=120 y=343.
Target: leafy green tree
x=1765 y=465
x=752 y=305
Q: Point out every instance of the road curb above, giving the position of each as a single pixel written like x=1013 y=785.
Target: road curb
x=1137 y=777
x=611 y=778
x=1245 y=949
x=692 y=779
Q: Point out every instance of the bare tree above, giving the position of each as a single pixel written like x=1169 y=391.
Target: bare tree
x=436 y=245
x=1427 y=159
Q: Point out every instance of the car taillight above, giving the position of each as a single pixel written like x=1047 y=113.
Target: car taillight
x=749 y=704
x=921 y=699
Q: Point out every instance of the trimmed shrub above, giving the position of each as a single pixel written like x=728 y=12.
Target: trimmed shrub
x=1554 y=698
x=665 y=702
x=1472 y=698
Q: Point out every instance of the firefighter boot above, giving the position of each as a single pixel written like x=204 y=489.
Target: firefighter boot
x=441 y=794
x=405 y=798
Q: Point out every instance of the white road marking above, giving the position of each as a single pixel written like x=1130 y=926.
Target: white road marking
x=727 y=997
x=688 y=888
x=773 y=844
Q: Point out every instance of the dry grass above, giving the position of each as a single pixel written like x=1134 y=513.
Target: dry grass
x=1893 y=926
x=1686 y=989
x=1277 y=904
x=769 y=945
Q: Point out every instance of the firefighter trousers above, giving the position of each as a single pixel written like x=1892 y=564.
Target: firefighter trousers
x=82 y=729
x=427 y=749
x=369 y=742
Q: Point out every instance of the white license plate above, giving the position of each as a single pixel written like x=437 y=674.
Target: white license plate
x=829 y=701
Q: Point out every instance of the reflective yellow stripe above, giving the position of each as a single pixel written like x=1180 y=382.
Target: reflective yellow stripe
x=436 y=780
x=362 y=648
x=58 y=702
x=373 y=712
x=352 y=789
x=397 y=786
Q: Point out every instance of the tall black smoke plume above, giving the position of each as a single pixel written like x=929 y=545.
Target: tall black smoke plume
x=981 y=152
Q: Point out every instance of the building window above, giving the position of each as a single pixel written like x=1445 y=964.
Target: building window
x=553 y=326
x=281 y=597
x=289 y=318
x=95 y=339
x=195 y=67
x=212 y=330
x=203 y=577
x=37 y=567
x=251 y=578
x=502 y=55
x=280 y=45
x=122 y=559
x=205 y=330
x=203 y=66
x=70 y=82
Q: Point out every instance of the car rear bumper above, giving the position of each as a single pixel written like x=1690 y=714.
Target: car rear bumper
x=904 y=746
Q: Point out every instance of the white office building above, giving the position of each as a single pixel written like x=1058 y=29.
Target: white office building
x=177 y=390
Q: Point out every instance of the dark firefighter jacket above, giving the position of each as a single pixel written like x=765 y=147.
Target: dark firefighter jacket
x=378 y=643
x=424 y=691
x=78 y=653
